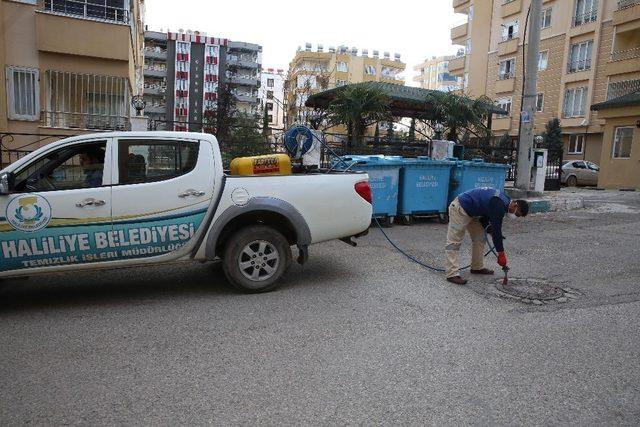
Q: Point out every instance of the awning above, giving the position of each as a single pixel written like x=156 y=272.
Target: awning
x=406 y=101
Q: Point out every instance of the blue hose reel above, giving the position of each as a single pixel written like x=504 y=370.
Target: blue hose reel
x=298 y=140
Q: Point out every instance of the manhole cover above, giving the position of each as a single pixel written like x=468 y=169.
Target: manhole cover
x=530 y=289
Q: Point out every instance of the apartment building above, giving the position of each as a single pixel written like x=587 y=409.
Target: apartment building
x=183 y=72
x=314 y=70
x=69 y=66
x=589 y=53
x=242 y=74
x=271 y=96
x=434 y=74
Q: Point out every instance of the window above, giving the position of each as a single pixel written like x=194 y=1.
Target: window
x=504 y=104
x=593 y=166
x=470 y=14
x=182 y=47
x=269 y=94
x=468 y=46
x=580 y=56
x=269 y=82
x=269 y=106
x=465 y=80
x=77 y=166
x=545 y=18
x=574 y=102
x=622 y=140
x=576 y=145
x=506 y=69
x=342 y=66
x=23 y=95
x=540 y=102
x=148 y=161
x=543 y=60
x=341 y=83
x=585 y=11
x=509 y=31
x=370 y=70
x=270 y=118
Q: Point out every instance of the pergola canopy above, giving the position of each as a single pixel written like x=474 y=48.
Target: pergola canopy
x=406 y=101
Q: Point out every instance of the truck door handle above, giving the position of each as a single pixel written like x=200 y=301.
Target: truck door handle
x=90 y=202
x=191 y=192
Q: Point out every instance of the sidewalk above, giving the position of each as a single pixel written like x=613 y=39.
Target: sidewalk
x=550 y=201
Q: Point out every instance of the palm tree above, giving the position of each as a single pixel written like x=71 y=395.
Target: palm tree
x=357 y=107
x=460 y=114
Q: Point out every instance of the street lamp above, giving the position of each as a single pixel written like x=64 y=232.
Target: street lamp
x=539 y=140
x=138 y=102
x=439 y=128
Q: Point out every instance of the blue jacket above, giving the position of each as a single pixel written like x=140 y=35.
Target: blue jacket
x=489 y=206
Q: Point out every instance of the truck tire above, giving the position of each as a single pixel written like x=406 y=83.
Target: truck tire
x=255 y=258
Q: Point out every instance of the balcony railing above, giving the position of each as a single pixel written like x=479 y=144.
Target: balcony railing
x=582 y=65
x=622 y=55
x=87 y=10
x=623 y=4
x=506 y=76
x=585 y=18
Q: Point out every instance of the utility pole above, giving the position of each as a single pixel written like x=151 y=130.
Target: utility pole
x=528 y=108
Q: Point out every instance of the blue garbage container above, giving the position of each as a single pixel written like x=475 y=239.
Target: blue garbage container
x=424 y=186
x=470 y=174
x=384 y=177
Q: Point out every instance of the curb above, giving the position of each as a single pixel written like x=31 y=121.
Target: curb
x=555 y=205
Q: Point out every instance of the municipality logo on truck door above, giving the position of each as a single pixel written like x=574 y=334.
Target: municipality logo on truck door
x=29 y=213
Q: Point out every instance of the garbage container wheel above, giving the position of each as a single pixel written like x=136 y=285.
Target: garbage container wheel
x=404 y=219
x=384 y=221
x=443 y=218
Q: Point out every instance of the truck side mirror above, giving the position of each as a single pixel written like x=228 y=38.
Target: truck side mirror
x=6 y=183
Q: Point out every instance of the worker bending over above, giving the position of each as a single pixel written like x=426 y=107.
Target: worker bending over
x=475 y=210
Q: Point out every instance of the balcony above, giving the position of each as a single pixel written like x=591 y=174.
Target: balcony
x=511 y=7
x=67 y=34
x=461 y=6
x=249 y=47
x=501 y=123
x=154 y=72
x=86 y=10
x=246 y=98
x=456 y=65
x=584 y=18
x=459 y=34
x=628 y=10
x=240 y=62
x=577 y=66
x=505 y=83
x=244 y=80
x=155 y=90
x=155 y=109
x=508 y=47
x=155 y=53
x=624 y=61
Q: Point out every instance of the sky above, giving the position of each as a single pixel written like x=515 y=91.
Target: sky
x=417 y=29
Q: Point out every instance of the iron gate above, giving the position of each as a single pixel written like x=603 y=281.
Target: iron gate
x=554 y=170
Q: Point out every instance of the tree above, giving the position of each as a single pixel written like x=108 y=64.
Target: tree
x=376 y=134
x=265 y=122
x=412 y=130
x=552 y=139
x=505 y=141
x=220 y=120
x=459 y=113
x=357 y=107
x=390 y=134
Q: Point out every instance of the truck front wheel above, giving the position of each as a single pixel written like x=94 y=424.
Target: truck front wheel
x=255 y=258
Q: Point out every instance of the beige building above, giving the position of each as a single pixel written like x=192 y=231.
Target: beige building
x=589 y=53
x=434 y=74
x=69 y=67
x=314 y=70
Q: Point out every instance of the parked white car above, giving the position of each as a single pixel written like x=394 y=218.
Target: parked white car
x=579 y=172
x=137 y=198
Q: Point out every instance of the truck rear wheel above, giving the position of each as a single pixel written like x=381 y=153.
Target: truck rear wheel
x=255 y=258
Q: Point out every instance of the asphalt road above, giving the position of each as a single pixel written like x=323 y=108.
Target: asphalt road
x=357 y=336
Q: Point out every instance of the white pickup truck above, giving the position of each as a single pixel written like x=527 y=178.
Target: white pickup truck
x=119 y=199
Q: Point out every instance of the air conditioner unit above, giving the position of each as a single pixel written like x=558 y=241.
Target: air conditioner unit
x=320 y=48
x=365 y=52
x=354 y=51
x=376 y=53
x=307 y=47
x=332 y=49
x=387 y=55
x=396 y=56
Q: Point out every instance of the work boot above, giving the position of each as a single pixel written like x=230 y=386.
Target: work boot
x=482 y=271
x=457 y=280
